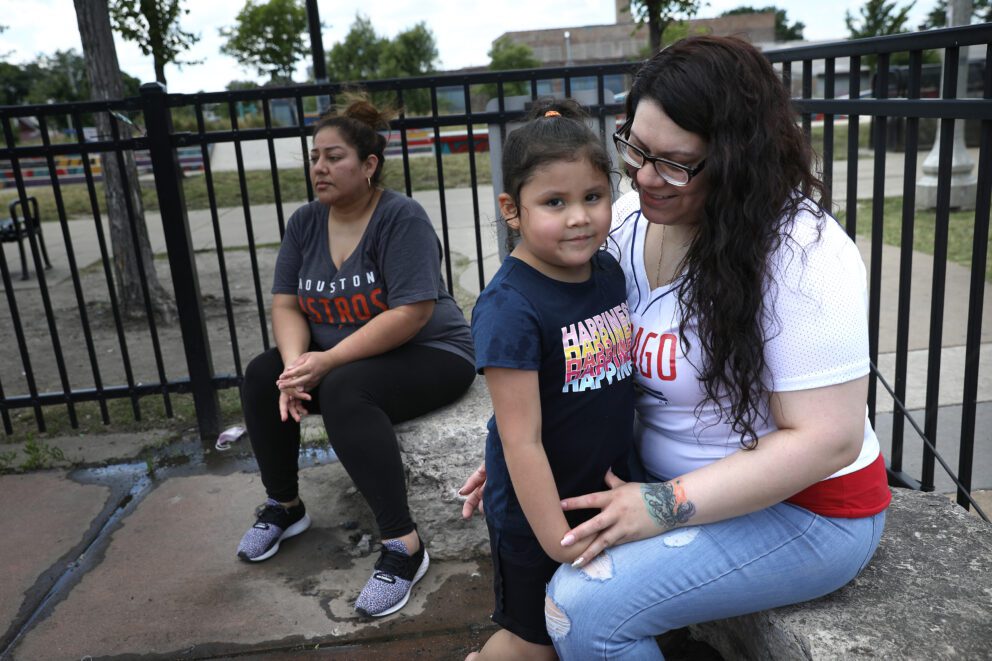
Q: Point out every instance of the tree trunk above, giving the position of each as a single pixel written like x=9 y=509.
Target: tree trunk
x=655 y=29
x=106 y=83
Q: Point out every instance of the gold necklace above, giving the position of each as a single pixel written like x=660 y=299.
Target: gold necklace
x=661 y=254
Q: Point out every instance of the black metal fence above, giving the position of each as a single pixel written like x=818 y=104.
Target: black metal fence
x=74 y=343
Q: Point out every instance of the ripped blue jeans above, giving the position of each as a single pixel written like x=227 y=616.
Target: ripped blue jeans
x=615 y=606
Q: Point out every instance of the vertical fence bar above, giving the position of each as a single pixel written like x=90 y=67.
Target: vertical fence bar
x=74 y=271
x=22 y=345
x=906 y=262
x=46 y=298
x=263 y=322
x=829 y=75
x=182 y=259
x=807 y=94
x=975 y=294
x=273 y=164
x=473 y=177
x=941 y=222
x=853 y=130
x=208 y=179
x=105 y=260
x=305 y=152
x=404 y=144
x=438 y=145
x=877 y=225
x=123 y=164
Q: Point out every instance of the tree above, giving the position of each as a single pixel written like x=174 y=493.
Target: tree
x=506 y=55
x=878 y=18
x=937 y=18
x=105 y=80
x=154 y=26
x=365 y=55
x=659 y=14
x=412 y=52
x=270 y=36
x=783 y=31
x=359 y=55
x=15 y=82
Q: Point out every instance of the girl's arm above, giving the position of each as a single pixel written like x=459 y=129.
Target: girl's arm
x=386 y=331
x=820 y=431
x=517 y=403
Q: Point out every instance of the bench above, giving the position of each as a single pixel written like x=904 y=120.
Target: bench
x=21 y=226
x=927 y=594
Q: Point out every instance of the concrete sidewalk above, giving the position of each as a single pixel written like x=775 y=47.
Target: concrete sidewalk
x=111 y=563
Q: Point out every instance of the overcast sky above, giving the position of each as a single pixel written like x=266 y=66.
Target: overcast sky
x=464 y=29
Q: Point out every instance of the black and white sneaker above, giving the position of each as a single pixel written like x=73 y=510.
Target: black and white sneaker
x=273 y=524
x=396 y=572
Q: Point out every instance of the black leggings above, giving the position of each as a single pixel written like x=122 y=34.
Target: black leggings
x=359 y=402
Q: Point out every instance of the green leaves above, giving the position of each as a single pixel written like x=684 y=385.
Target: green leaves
x=270 y=36
x=154 y=26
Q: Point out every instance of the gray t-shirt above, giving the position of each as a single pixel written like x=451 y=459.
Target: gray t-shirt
x=396 y=262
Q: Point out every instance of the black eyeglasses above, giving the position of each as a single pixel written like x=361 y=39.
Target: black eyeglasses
x=674 y=173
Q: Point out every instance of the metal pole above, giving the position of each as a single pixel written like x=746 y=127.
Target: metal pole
x=964 y=183
x=317 y=50
x=182 y=261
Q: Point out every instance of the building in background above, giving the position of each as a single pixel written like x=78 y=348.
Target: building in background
x=624 y=42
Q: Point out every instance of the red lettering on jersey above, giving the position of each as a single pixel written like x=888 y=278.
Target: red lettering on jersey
x=644 y=361
x=327 y=310
x=374 y=296
x=344 y=314
x=361 y=307
x=667 y=346
x=312 y=311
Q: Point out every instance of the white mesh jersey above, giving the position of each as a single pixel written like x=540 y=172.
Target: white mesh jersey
x=816 y=332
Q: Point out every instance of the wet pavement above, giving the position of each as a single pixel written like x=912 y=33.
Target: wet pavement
x=116 y=563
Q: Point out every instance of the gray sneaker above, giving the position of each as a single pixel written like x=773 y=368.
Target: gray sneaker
x=273 y=524
x=396 y=572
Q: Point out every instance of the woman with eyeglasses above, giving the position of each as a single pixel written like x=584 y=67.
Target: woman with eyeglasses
x=764 y=484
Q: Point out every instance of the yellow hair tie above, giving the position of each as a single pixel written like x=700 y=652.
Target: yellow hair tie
x=552 y=113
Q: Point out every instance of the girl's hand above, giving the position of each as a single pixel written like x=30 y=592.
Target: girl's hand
x=290 y=405
x=624 y=518
x=473 y=489
x=304 y=374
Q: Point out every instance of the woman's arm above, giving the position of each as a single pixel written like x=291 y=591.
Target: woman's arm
x=819 y=432
x=517 y=404
x=388 y=330
x=290 y=328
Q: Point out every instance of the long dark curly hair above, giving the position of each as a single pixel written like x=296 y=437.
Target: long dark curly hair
x=759 y=174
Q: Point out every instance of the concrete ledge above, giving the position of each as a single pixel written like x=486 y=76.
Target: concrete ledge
x=439 y=451
x=927 y=594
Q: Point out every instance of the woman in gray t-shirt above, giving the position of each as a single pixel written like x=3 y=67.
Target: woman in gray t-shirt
x=366 y=335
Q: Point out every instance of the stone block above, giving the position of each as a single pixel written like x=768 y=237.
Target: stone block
x=927 y=594
x=439 y=451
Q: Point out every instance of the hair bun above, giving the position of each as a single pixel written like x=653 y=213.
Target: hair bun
x=358 y=106
x=551 y=107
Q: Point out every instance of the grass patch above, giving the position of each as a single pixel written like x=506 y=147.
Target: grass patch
x=258 y=183
x=960 y=234
x=840 y=139
x=153 y=417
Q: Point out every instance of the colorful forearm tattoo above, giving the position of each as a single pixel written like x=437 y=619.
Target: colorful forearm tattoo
x=667 y=503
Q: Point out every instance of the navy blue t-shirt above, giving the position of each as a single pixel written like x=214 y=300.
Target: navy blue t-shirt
x=577 y=336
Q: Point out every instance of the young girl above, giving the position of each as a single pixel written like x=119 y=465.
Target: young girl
x=552 y=336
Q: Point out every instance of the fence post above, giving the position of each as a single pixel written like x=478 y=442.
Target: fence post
x=182 y=261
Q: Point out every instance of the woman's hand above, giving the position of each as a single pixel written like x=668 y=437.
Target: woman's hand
x=473 y=489
x=304 y=374
x=291 y=405
x=624 y=518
